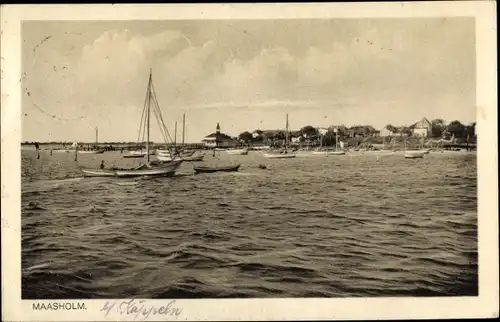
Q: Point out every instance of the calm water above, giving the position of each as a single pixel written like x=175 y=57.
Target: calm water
x=311 y=226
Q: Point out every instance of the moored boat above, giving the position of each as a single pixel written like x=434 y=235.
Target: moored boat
x=149 y=168
x=278 y=155
x=193 y=158
x=260 y=147
x=141 y=152
x=90 y=151
x=97 y=172
x=166 y=158
x=327 y=153
x=237 y=151
x=133 y=156
x=96 y=150
x=207 y=169
x=281 y=154
x=165 y=169
x=414 y=154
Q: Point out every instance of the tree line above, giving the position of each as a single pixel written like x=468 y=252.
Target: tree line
x=309 y=133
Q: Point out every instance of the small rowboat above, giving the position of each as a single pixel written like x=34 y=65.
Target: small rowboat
x=237 y=151
x=133 y=156
x=193 y=158
x=414 y=154
x=90 y=151
x=230 y=168
x=279 y=155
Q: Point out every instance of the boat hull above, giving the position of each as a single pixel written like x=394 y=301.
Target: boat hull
x=326 y=153
x=134 y=156
x=217 y=169
x=414 y=154
x=279 y=155
x=143 y=153
x=91 y=152
x=168 y=158
x=237 y=152
x=97 y=172
x=193 y=158
x=261 y=148
x=161 y=170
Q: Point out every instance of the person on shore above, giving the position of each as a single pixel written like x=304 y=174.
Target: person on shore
x=102 y=165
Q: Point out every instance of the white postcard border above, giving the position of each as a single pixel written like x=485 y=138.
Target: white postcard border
x=485 y=305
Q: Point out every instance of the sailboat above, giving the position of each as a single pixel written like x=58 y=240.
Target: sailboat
x=96 y=150
x=167 y=155
x=284 y=154
x=150 y=168
x=384 y=148
x=423 y=148
x=337 y=151
x=413 y=154
x=320 y=150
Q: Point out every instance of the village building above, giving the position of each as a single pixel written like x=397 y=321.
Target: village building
x=219 y=139
x=421 y=128
x=322 y=130
x=257 y=134
x=386 y=131
x=362 y=131
x=342 y=129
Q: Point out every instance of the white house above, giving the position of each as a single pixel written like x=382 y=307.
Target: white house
x=219 y=139
x=386 y=132
x=422 y=128
x=322 y=130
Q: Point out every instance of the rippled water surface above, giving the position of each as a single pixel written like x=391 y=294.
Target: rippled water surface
x=359 y=225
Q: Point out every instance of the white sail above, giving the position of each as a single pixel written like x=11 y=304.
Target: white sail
x=149 y=168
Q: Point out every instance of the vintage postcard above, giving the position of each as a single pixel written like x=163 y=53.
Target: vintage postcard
x=249 y=161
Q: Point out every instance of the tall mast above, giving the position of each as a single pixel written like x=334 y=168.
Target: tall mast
x=286 y=132
x=336 y=139
x=183 y=127
x=175 y=135
x=148 y=113
x=96 y=136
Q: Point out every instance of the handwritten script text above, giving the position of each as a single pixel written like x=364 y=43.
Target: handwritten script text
x=140 y=309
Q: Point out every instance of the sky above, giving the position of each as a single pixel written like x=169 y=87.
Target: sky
x=243 y=74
